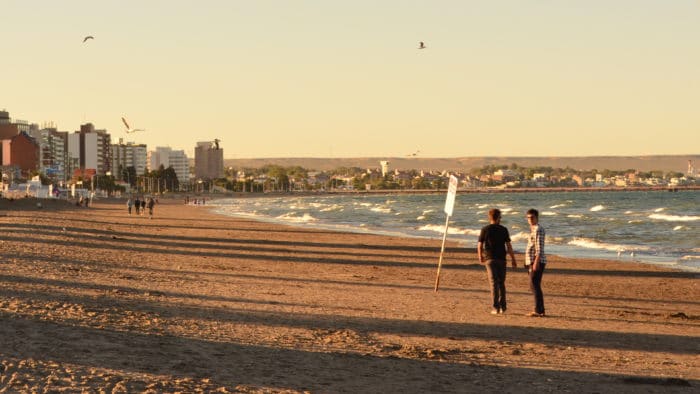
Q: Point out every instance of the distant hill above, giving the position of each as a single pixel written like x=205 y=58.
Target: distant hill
x=642 y=163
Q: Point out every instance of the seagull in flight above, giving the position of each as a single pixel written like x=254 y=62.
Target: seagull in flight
x=88 y=38
x=421 y=45
x=129 y=129
x=414 y=154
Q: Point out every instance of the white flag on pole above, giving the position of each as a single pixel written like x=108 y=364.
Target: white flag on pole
x=451 y=194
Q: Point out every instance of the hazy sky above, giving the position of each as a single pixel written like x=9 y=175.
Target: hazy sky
x=331 y=78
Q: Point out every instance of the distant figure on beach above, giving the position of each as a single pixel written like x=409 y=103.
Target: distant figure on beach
x=129 y=203
x=143 y=205
x=535 y=260
x=151 y=204
x=137 y=205
x=494 y=243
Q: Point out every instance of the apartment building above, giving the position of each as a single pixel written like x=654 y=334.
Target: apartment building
x=129 y=154
x=166 y=157
x=208 y=160
x=92 y=149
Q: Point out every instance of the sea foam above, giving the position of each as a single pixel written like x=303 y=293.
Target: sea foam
x=593 y=244
x=520 y=236
x=673 y=218
x=450 y=230
x=292 y=217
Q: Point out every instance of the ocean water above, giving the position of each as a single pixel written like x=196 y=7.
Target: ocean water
x=658 y=227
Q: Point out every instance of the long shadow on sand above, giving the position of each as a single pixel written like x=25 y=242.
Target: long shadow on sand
x=549 y=336
x=233 y=364
x=201 y=242
x=216 y=224
x=321 y=259
x=185 y=248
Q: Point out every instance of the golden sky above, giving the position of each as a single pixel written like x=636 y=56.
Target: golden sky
x=346 y=78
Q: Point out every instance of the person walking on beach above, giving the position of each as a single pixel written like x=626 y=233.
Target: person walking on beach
x=535 y=260
x=151 y=204
x=128 y=205
x=143 y=205
x=494 y=243
x=137 y=205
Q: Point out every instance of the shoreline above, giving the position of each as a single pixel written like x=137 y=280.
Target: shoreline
x=651 y=261
x=94 y=299
x=561 y=249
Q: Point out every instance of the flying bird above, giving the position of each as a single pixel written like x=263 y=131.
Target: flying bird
x=414 y=154
x=129 y=129
x=421 y=45
x=88 y=38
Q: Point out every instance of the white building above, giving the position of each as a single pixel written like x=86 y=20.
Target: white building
x=385 y=167
x=166 y=157
x=91 y=148
x=128 y=155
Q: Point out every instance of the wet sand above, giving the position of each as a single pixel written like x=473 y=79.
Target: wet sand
x=92 y=299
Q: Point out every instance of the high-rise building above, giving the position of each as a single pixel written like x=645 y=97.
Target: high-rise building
x=167 y=157
x=92 y=149
x=53 y=153
x=208 y=160
x=126 y=155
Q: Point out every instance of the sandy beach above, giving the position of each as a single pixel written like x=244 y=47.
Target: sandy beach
x=95 y=300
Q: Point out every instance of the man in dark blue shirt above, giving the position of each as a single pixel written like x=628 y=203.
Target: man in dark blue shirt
x=494 y=243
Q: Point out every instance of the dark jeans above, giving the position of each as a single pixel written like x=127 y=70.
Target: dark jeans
x=536 y=287
x=496 y=270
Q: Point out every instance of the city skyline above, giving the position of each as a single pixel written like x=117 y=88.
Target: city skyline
x=329 y=79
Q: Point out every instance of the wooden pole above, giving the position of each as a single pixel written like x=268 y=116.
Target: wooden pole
x=442 y=250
